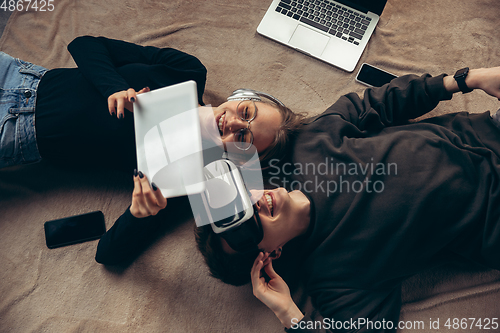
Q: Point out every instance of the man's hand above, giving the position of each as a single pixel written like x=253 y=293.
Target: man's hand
x=275 y=293
x=487 y=79
x=146 y=200
x=121 y=100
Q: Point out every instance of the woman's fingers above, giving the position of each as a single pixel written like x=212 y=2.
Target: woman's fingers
x=120 y=107
x=111 y=105
x=131 y=95
x=146 y=201
x=121 y=100
x=137 y=207
x=161 y=201
x=143 y=90
x=154 y=199
x=137 y=185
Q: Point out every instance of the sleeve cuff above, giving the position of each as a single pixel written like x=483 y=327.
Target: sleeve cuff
x=435 y=88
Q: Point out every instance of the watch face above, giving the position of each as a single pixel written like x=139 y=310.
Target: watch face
x=462 y=72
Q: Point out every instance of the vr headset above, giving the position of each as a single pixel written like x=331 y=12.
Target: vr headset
x=226 y=203
x=229 y=208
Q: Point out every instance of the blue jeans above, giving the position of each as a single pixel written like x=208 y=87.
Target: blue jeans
x=18 y=84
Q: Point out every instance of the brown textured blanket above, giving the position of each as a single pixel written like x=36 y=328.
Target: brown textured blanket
x=168 y=289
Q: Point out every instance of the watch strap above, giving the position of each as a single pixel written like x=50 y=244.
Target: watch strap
x=460 y=77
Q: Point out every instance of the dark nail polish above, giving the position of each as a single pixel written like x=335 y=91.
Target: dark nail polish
x=153 y=185
x=135 y=173
x=141 y=175
x=132 y=99
x=120 y=116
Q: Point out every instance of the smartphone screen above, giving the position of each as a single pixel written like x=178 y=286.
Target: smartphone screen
x=74 y=229
x=373 y=76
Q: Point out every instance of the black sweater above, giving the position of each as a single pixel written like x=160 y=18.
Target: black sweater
x=408 y=195
x=72 y=119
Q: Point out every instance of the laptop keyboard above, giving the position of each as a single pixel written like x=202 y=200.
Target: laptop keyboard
x=331 y=18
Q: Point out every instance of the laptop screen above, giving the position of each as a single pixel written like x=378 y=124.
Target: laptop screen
x=375 y=6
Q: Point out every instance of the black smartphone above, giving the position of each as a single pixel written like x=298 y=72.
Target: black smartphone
x=74 y=229
x=373 y=76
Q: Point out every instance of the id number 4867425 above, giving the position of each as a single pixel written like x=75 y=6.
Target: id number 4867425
x=27 y=5
x=472 y=323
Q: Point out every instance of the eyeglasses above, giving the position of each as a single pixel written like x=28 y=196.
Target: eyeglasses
x=247 y=111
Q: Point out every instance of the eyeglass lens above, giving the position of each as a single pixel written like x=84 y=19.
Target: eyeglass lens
x=247 y=111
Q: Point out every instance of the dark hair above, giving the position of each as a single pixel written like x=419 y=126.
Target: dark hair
x=289 y=127
x=230 y=268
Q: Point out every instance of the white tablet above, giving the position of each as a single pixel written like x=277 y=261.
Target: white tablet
x=168 y=139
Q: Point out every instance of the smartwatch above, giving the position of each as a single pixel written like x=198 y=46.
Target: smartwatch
x=460 y=77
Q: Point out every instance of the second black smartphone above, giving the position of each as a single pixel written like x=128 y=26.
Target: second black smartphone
x=74 y=229
x=373 y=76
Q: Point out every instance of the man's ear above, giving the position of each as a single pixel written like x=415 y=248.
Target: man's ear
x=275 y=254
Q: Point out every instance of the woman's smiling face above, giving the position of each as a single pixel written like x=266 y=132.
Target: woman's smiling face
x=264 y=126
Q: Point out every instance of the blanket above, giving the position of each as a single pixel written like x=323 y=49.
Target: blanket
x=168 y=288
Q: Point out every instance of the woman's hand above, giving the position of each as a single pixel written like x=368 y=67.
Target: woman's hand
x=146 y=200
x=121 y=100
x=275 y=293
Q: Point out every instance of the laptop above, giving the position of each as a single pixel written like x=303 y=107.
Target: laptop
x=336 y=32
x=168 y=139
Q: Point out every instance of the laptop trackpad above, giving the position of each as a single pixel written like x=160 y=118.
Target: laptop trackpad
x=308 y=40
